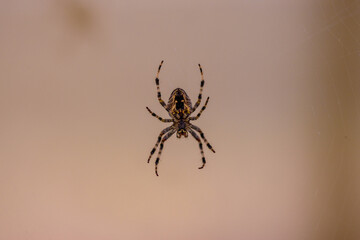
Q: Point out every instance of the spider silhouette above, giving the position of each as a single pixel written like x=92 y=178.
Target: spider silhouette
x=179 y=108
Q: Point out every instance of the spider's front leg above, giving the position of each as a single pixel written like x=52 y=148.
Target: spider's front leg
x=201 y=89
x=158 y=86
x=167 y=136
x=202 y=136
x=158 y=141
x=200 y=146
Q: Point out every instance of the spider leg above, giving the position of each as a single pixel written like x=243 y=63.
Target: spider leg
x=160 y=118
x=201 y=89
x=200 y=146
x=202 y=136
x=202 y=109
x=158 y=141
x=158 y=86
x=161 y=147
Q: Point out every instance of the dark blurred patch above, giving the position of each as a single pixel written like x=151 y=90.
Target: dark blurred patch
x=78 y=16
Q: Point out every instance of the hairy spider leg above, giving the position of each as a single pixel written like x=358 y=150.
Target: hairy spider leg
x=158 y=141
x=202 y=109
x=200 y=146
x=201 y=89
x=202 y=136
x=169 y=134
x=160 y=118
x=158 y=86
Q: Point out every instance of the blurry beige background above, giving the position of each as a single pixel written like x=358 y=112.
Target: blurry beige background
x=283 y=81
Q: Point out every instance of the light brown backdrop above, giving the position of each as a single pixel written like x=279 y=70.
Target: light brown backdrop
x=283 y=81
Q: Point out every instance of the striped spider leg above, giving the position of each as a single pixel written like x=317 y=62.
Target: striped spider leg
x=158 y=140
x=160 y=118
x=200 y=146
x=202 y=136
x=202 y=109
x=167 y=136
x=158 y=86
x=202 y=83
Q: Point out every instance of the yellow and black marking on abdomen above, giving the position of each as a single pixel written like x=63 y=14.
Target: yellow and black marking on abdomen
x=179 y=105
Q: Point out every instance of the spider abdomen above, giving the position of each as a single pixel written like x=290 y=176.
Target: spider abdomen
x=179 y=105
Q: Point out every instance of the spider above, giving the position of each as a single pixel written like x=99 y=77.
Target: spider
x=179 y=108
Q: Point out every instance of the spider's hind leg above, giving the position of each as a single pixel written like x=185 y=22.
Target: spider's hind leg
x=200 y=146
x=167 y=136
x=158 y=141
x=203 y=137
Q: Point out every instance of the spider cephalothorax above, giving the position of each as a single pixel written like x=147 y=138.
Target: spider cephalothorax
x=179 y=108
x=181 y=129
